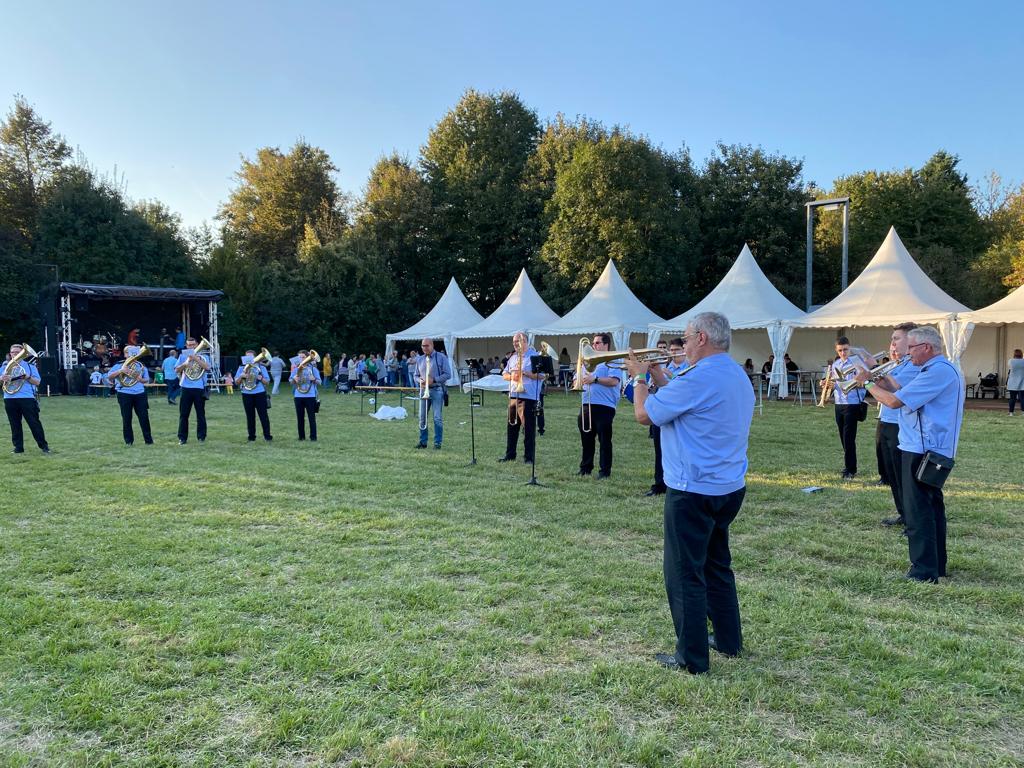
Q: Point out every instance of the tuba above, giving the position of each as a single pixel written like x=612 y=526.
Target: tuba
x=249 y=382
x=194 y=370
x=305 y=383
x=130 y=372
x=17 y=380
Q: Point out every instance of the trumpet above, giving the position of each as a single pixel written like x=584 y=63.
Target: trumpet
x=130 y=372
x=425 y=394
x=305 y=383
x=249 y=382
x=590 y=359
x=15 y=382
x=194 y=369
x=873 y=375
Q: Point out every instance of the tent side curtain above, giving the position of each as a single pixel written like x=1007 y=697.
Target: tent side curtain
x=140 y=293
x=779 y=335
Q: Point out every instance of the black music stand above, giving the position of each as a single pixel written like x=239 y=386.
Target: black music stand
x=472 y=426
x=538 y=364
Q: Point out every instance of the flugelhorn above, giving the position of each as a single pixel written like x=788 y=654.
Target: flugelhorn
x=16 y=382
x=590 y=359
x=873 y=375
x=852 y=365
x=130 y=372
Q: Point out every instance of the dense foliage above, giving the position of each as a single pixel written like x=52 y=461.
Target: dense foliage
x=493 y=190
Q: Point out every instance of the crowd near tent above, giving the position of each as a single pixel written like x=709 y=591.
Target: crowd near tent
x=609 y=307
x=890 y=290
x=452 y=311
x=521 y=310
x=750 y=301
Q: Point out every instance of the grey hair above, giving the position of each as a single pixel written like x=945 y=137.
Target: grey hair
x=716 y=327
x=926 y=334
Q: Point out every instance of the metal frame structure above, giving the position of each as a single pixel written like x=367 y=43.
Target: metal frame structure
x=827 y=205
x=67 y=355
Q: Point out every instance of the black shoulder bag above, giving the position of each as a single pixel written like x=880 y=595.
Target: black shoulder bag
x=934 y=467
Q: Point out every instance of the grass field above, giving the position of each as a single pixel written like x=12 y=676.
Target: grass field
x=357 y=602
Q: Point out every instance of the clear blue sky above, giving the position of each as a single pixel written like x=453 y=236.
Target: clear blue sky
x=171 y=94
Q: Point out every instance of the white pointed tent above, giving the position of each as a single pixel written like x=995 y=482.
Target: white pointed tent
x=522 y=309
x=452 y=311
x=892 y=289
x=1000 y=330
x=748 y=298
x=609 y=307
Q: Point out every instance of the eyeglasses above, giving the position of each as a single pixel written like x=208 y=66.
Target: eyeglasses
x=688 y=337
x=922 y=344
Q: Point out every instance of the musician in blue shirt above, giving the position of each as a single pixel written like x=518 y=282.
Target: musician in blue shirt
x=131 y=396
x=252 y=379
x=522 y=405
x=193 y=390
x=888 y=421
x=170 y=377
x=440 y=372
x=19 y=381
x=601 y=392
x=704 y=414
x=658 y=376
x=930 y=412
x=305 y=381
x=849 y=405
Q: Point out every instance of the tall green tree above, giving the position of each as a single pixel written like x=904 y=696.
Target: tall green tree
x=31 y=154
x=1002 y=265
x=485 y=224
x=754 y=197
x=933 y=213
x=623 y=199
x=282 y=203
x=392 y=222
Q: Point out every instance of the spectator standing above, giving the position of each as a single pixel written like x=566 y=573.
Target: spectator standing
x=170 y=377
x=1015 y=379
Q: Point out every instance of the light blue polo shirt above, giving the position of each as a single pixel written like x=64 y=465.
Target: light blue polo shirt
x=903 y=374
x=261 y=370
x=704 y=415
x=27 y=390
x=168 y=367
x=599 y=394
x=135 y=389
x=936 y=395
x=855 y=395
x=186 y=382
x=531 y=386
x=310 y=371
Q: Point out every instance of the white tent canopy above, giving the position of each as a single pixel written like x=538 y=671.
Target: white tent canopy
x=522 y=309
x=893 y=289
x=452 y=311
x=609 y=307
x=990 y=347
x=748 y=298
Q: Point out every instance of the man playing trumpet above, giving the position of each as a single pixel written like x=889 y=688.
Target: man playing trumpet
x=129 y=379
x=523 y=392
x=252 y=378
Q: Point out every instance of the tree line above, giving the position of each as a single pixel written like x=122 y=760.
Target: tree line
x=494 y=189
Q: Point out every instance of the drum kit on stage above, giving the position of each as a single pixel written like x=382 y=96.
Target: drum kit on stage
x=102 y=346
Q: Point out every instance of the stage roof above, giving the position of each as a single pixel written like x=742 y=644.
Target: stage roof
x=140 y=293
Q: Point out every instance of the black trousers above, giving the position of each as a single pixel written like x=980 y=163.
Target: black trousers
x=1016 y=395
x=521 y=413
x=846 y=420
x=659 y=472
x=878 y=454
x=26 y=408
x=256 y=404
x=925 y=513
x=699 y=580
x=139 y=404
x=599 y=420
x=892 y=458
x=305 y=407
x=190 y=398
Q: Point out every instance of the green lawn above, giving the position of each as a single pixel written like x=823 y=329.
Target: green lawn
x=357 y=602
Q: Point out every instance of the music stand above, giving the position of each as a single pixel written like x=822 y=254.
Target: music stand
x=472 y=425
x=538 y=364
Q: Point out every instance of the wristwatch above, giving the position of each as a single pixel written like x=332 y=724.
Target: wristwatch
x=639 y=379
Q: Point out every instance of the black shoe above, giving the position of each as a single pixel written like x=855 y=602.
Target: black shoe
x=421 y=445
x=128 y=445
x=932 y=580
x=202 y=439
x=437 y=446
x=893 y=521
x=503 y=459
x=181 y=442
x=849 y=475
x=668 y=661
x=527 y=461
x=583 y=473
x=269 y=439
x=149 y=442
x=655 y=492
x=251 y=439
x=540 y=432
x=713 y=645
x=18 y=450
x=47 y=451
x=603 y=475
